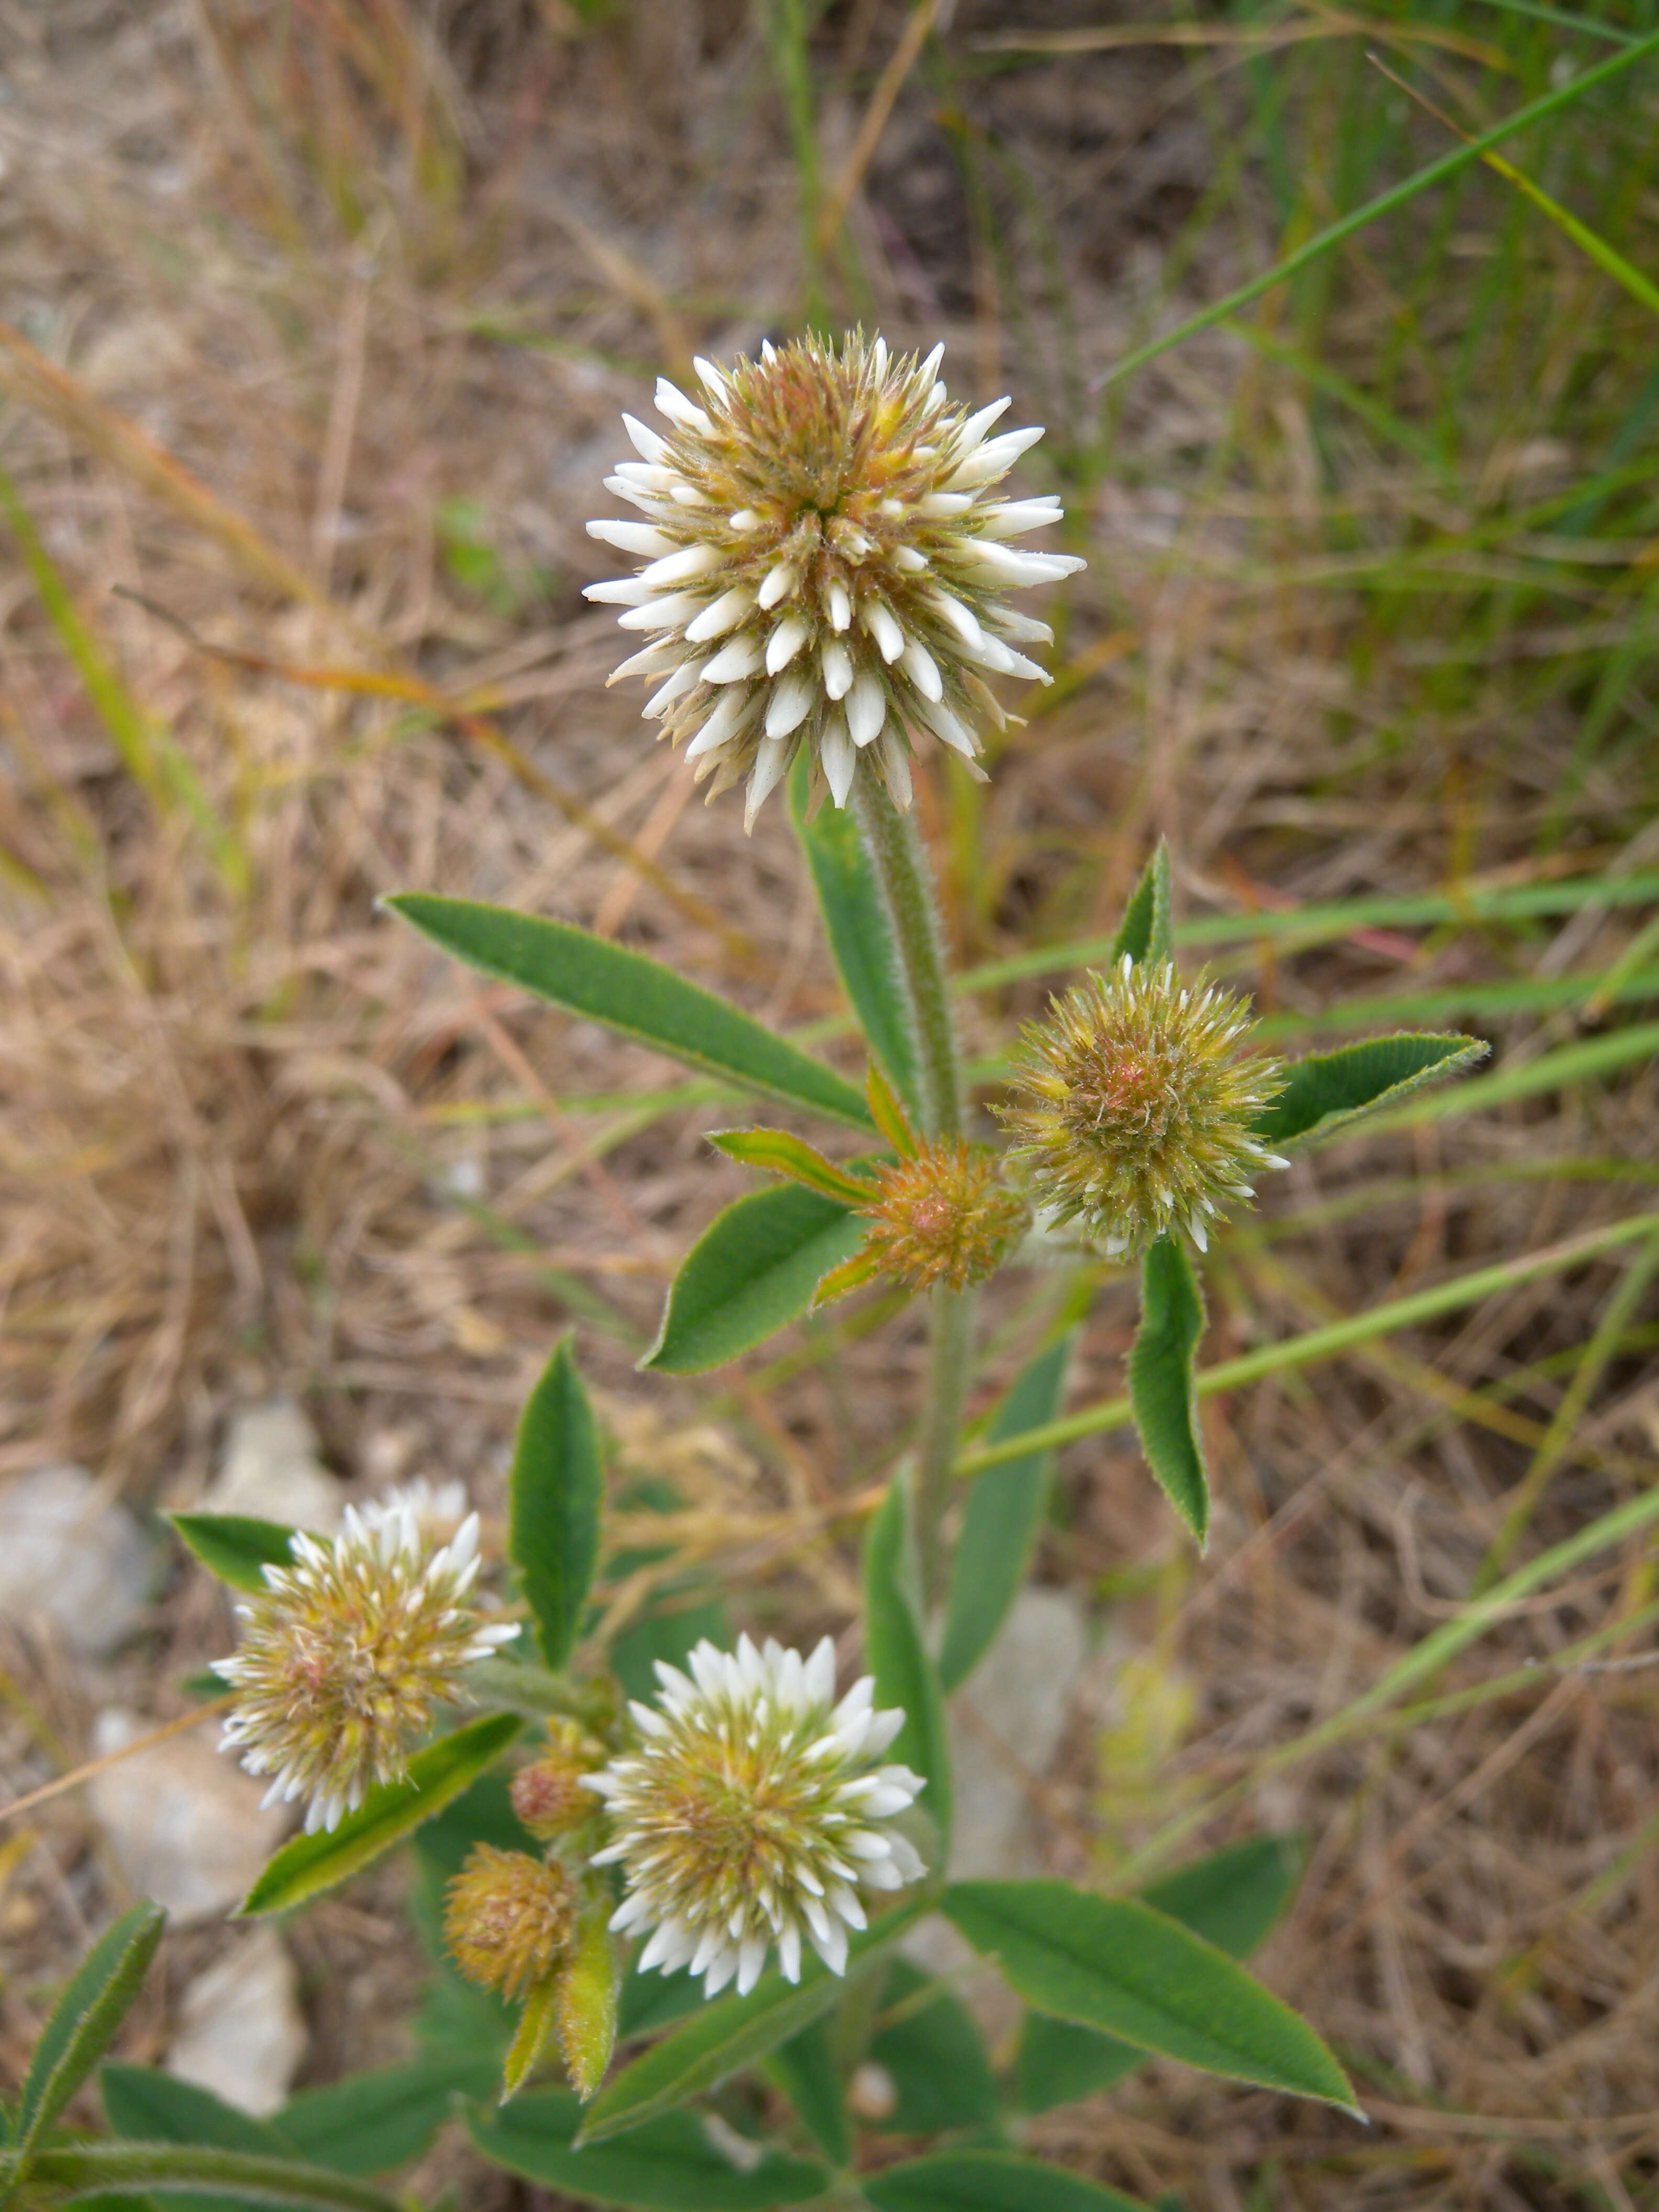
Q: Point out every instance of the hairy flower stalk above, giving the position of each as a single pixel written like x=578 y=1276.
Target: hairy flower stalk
x=825 y=558
x=1135 y=1115
x=346 y=1653
x=750 y=1811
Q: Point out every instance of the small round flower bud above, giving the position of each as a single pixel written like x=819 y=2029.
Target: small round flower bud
x=1135 y=1115
x=345 y=1654
x=824 y=563
x=508 y=1918
x=549 y=1796
x=750 y=1812
x=942 y=1217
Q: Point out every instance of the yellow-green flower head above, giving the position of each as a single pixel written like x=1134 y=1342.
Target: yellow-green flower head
x=345 y=1654
x=826 y=557
x=752 y=1811
x=508 y=1918
x=942 y=1216
x=1135 y=1114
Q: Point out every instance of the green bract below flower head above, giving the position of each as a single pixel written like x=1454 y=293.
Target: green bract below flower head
x=1135 y=1114
x=825 y=561
x=751 y=1813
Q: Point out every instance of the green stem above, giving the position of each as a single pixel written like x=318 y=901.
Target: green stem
x=901 y=872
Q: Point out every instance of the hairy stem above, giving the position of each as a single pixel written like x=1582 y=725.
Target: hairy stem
x=901 y=871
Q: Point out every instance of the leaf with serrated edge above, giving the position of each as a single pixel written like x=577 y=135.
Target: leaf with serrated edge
x=905 y=1675
x=554 y=1496
x=1113 y=1963
x=1162 y=1387
x=85 y=2019
x=632 y=994
x=1001 y=1520
x=988 y=2181
x=1328 y=1091
x=437 y=1775
x=1145 y=932
x=778 y=1153
x=235 y=1546
x=855 y=922
x=755 y=1268
x=733 y=2031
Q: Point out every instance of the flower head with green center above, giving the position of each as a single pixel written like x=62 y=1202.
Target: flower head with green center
x=750 y=1812
x=508 y=1918
x=345 y=1654
x=825 y=563
x=1135 y=1115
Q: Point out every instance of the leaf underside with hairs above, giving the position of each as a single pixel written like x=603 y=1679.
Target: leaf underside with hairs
x=1328 y=1091
x=1161 y=1381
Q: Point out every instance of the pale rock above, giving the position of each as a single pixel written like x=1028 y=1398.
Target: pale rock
x=240 y=2030
x=73 y=1557
x=269 y=1469
x=185 y=1824
x=1005 y=1726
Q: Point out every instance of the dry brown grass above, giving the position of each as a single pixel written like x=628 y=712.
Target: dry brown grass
x=281 y=293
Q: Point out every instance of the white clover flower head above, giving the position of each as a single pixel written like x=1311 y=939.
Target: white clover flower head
x=346 y=1652
x=825 y=558
x=438 y=1507
x=752 y=1810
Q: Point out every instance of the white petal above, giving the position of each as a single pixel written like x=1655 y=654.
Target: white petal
x=831 y=1947
x=620 y=591
x=790 y=703
x=715 y=731
x=840 y=605
x=879 y=622
x=779 y=583
x=941 y=505
x=922 y=669
x=821 y=1673
x=971 y=435
x=733 y=662
x=858 y=1701
x=661 y=614
x=1015 y=516
x=885 y=1799
x=837 y=665
x=895 y=758
x=866 y=1844
x=840 y=757
x=961 y=618
x=789 y=1951
x=642 y=539
x=661 y=1943
x=673 y=403
x=770 y=764
x=785 y=642
x=712 y=379
x=845 y=1902
x=745 y=519
x=721 y=614
x=1013 y=567
x=909 y=560
x=992 y=459
x=655 y=659
x=646 y=442
x=945 y=726
x=682 y=567
x=751 y=1960
x=866 y=709
x=684 y=679
x=721 y=1972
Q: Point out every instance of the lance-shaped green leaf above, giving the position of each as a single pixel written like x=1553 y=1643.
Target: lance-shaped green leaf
x=371 y=2122
x=553 y=1495
x=934 y=2055
x=196 y=2171
x=988 y=2181
x=84 y=2021
x=590 y=1989
x=675 y=2163
x=235 y=1546
x=1001 y=1520
x=147 y=2104
x=633 y=994
x=753 y=1268
x=1232 y=1899
x=1144 y=933
x=392 y=1811
x=1113 y=1963
x=733 y=2032
x=793 y=1158
x=1162 y=1386
x=860 y=937
x=536 y=2022
x=1326 y=1091
x=893 y=1644
x=805 y=2070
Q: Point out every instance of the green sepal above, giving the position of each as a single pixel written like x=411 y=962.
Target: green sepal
x=536 y=2022
x=780 y=1154
x=1163 y=1388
